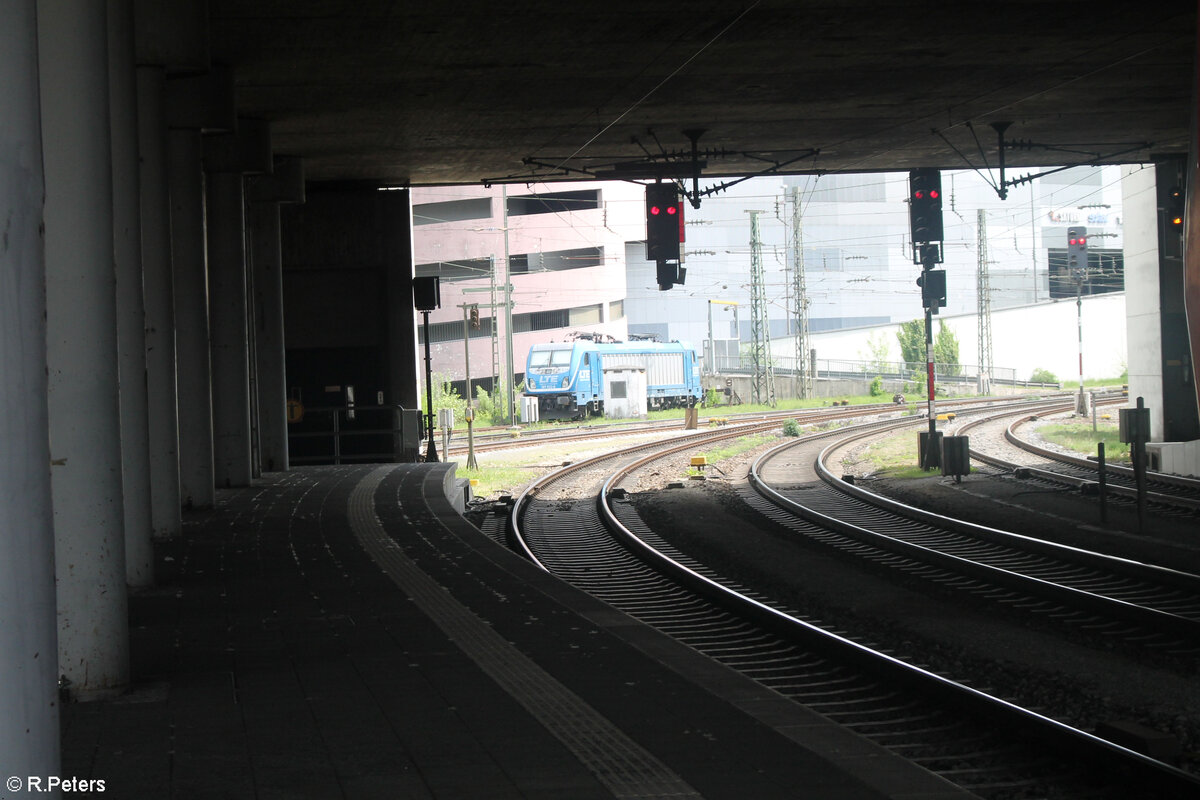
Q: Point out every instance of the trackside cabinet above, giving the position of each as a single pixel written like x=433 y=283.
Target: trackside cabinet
x=956 y=456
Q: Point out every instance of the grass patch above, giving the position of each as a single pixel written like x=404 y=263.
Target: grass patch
x=737 y=447
x=497 y=479
x=893 y=457
x=1078 y=435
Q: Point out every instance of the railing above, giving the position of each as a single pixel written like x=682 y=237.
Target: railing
x=354 y=434
x=845 y=369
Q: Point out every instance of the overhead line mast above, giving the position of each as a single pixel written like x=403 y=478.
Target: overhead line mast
x=763 y=379
x=803 y=375
x=984 y=290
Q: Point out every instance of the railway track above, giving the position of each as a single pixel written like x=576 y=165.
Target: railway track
x=498 y=438
x=1168 y=492
x=576 y=524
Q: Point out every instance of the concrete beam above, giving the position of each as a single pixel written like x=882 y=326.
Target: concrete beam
x=245 y=150
x=284 y=184
x=172 y=35
x=202 y=102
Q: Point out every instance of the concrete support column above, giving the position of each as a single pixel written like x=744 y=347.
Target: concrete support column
x=266 y=261
x=131 y=316
x=158 y=286
x=190 y=271
x=230 y=348
x=81 y=353
x=264 y=194
x=404 y=364
x=29 y=727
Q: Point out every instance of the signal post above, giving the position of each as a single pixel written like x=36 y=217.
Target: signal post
x=925 y=217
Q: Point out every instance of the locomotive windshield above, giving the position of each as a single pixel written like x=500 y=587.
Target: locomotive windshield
x=550 y=358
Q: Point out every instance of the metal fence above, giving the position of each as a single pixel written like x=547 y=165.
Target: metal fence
x=354 y=434
x=846 y=369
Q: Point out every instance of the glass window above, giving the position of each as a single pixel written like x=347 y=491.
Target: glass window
x=617 y=390
x=560 y=358
x=539 y=358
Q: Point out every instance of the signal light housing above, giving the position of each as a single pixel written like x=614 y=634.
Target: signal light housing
x=1077 y=249
x=933 y=289
x=664 y=222
x=925 y=204
x=1175 y=208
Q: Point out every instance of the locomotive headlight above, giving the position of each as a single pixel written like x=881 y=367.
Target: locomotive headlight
x=566 y=382
x=533 y=383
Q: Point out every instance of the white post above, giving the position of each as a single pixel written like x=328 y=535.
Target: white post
x=29 y=727
x=158 y=288
x=189 y=260
x=227 y=333
x=81 y=351
x=131 y=314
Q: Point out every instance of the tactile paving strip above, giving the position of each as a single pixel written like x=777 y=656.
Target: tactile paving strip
x=622 y=765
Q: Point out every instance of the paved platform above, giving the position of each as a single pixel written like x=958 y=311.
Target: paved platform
x=341 y=632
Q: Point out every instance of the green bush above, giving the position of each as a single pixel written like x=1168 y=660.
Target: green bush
x=791 y=428
x=492 y=409
x=877 y=386
x=1043 y=376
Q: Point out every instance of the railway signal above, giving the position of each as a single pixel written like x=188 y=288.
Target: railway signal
x=925 y=205
x=1175 y=208
x=664 y=222
x=933 y=289
x=1077 y=250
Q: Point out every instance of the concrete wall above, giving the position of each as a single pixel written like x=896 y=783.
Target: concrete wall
x=1142 y=292
x=1020 y=339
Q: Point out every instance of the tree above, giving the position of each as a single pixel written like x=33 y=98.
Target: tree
x=912 y=341
x=878 y=354
x=945 y=350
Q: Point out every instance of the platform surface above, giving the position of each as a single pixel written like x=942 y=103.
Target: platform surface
x=341 y=632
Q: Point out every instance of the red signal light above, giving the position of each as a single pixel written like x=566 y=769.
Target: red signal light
x=655 y=211
x=919 y=194
x=1082 y=240
x=671 y=210
x=1074 y=241
x=933 y=194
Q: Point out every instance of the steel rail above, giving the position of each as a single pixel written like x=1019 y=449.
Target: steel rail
x=1149 y=575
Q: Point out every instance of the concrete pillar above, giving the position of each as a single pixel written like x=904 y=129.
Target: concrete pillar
x=131 y=316
x=228 y=310
x=190 y=271
x=227 y=157
x=1142 y=320
x=81 y=352
x=264 y=194
x=29 y=728
x=202 y=102
x=158 y=286
x=404 y=365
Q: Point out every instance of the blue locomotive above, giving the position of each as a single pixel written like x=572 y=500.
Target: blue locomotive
x=568 y=377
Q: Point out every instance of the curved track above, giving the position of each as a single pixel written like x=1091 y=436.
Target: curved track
x=1169 y=492
x=575 y=524
x=1105 y=595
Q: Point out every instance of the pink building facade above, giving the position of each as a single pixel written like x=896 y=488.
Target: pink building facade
x=561 y=249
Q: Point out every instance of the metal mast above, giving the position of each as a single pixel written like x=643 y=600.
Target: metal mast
x=800 y=300
x=983 y=288
x=763 y=378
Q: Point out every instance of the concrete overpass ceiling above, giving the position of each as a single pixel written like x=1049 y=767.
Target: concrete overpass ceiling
x=460 y=92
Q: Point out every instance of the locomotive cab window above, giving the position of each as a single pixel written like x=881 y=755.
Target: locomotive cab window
x=560 y=358
x=539 y=358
